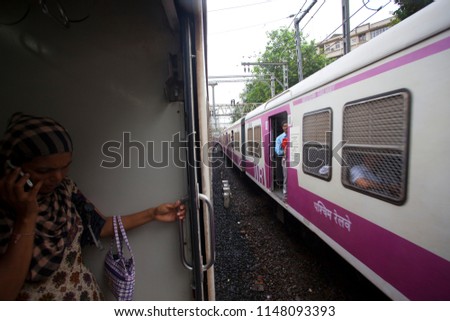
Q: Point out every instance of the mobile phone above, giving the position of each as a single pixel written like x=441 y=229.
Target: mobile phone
x=29 y=183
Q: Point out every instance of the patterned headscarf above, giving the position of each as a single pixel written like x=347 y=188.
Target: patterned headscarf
x=28 y=136
x=25 y=138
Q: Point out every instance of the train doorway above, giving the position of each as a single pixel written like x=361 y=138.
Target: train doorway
x=275 y=160
x=112 y=95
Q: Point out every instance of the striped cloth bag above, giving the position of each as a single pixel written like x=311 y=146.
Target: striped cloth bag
x=120 y=271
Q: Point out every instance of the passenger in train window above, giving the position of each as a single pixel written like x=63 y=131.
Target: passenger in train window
x=367 y=176
x=43 y=225
x=324 y=170
x=281 y=144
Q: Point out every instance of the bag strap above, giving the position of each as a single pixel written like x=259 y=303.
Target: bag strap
x=124 y=235
x=116 y=237
x=119 y=236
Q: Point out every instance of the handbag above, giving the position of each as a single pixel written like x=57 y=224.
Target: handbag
x=119 y=270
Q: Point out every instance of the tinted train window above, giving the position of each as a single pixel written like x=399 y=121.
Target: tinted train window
x=257 y=141
x=375 y=153
x=237 y=140
x=249 y=147
x=317 y=131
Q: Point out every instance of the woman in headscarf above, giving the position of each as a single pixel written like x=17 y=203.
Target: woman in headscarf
x=45 y=219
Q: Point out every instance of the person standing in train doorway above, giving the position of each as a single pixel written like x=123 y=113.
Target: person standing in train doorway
x=281 y=144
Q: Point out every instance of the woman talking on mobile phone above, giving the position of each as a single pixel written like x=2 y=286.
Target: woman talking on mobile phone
x=43 y=227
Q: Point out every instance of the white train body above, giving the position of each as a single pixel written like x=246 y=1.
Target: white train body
x=388 y=99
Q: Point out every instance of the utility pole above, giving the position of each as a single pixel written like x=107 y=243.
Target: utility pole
x=213 y=84
x=298 y=41
x=285 y=83
x=272 y=85
x=346 y=26
x=285 y=77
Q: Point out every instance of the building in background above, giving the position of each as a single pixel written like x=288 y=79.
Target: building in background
x=334 y=46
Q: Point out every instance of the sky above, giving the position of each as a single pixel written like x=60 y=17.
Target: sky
x=237 y=31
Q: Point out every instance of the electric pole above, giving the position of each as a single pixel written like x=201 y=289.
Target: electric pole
x=346 y=26
x=213 y=84
x=298 y=41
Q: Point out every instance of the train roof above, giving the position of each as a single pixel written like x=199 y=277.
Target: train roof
x=429 y=21
x=237 y=123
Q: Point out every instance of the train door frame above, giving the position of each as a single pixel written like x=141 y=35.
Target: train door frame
x=274 y=163
x=231 y=147
x=243 y=144
x=202 y=259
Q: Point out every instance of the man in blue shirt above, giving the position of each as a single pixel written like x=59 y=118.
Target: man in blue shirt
x=281 y=143
x=279 y=140
x=363 y=176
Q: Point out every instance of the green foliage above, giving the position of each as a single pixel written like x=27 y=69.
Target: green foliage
x=409 y=7
x=257 y=89
x=281 y=47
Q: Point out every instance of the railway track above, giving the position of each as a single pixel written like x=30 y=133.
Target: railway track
x=259 y=258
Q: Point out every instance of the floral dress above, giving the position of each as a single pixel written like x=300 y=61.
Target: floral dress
x=73 y=281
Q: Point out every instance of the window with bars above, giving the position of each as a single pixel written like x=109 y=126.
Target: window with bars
x=375 y=152
x=317 y=131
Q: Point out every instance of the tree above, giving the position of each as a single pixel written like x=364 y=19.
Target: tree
x=281 y=47
x=409 y=7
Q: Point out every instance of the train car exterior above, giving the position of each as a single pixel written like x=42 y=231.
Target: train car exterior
x=128 y=80
x=383 y=107
x=232 y=143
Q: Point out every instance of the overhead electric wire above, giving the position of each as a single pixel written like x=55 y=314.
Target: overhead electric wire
x=249 y=27
x=381 y=7
x=248 y=5
x=332 y=33
x=295 y=16
x=252 y=26
x=376 y=11
x=242 y=6
x=364 y=5
x=314 y=14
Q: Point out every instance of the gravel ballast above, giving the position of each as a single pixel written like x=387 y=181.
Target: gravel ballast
x=259 y=258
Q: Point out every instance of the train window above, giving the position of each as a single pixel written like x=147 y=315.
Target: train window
x=317 y=130
x=249 y=147
x=375 y=153
x=237 y=140
x=257 y=141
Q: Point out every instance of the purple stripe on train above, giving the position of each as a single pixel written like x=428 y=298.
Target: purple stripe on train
x=414 y=271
